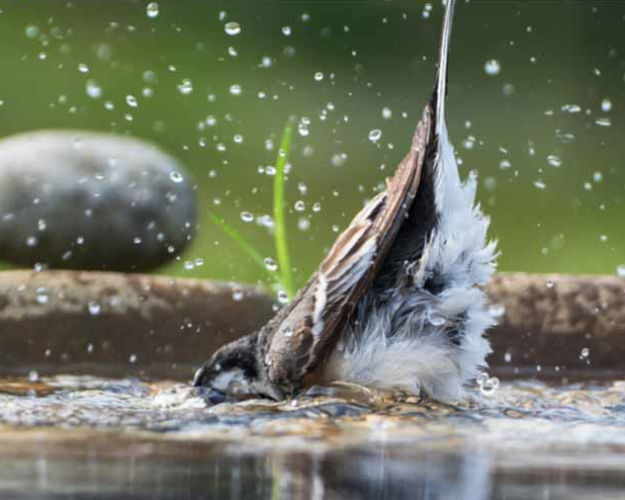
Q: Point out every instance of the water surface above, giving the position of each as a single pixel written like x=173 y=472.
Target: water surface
x=105 y=438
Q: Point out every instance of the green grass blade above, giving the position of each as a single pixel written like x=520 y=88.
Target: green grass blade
x=279 y=202
x=242 y=243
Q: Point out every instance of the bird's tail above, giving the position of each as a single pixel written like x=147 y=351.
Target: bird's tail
x=440 y=89
x=439 y=176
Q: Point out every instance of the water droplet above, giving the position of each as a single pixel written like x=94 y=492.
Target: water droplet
x=237 y=295
x=33 y=376
x=436 y=319
x=565 y=137
x=149 y=76
x=554 y=160
x=540 y=185
x=176 y=177
x=132 y=358
x=286 y=30
x=387 y=114
x=93 y=308
x=375 y=135
x=270 y=264
x=316 y=207
x=603 y=122
x=597 y=176
x=42 y=295
x=318 y=76
x=266 y=221
x=283 y=297
x=247 y=217
x=492 y=67
x=302 y=129
x=232 y=28
x=93 y=89
x=131 y=101
x=584 y=353
x=303 y=224
x=152 y=10
x=185 y=87
x=299 y=206
x=508 y=89
x=507 y=357
x=571 y=108
x=338 y=160
x=83 y=68
x=31 y=31
x=235 y=89
x=620 y=270
x=238 y=138
x=505 y=164
x=606 y=105
x=490 y=183
x=489 y=385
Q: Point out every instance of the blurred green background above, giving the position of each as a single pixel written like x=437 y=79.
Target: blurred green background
x=544 y=132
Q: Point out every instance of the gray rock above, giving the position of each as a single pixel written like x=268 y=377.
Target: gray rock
x=87 y=200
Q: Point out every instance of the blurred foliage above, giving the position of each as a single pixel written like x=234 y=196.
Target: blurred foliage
x=368 y=56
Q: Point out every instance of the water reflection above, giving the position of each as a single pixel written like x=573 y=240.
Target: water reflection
x=139 y=470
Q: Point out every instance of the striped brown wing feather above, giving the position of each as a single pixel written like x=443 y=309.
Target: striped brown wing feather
x=302 y=331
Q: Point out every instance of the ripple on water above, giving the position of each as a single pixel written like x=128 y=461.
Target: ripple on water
x=168 y=407
x=88 y=435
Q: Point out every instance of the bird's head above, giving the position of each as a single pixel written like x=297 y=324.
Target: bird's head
x=234 y=373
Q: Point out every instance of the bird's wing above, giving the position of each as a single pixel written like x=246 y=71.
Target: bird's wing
x=296 y=339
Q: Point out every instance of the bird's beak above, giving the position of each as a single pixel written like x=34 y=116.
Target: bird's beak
x=215 y=397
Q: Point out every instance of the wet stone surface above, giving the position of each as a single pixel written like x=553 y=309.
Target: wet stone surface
x=131 y=404
x=120 y=324
x=104 y=438
x=87 y=200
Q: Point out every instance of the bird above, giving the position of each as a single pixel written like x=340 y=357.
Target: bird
x=397 y=303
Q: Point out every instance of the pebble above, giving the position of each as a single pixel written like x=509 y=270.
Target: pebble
x=94 y=201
